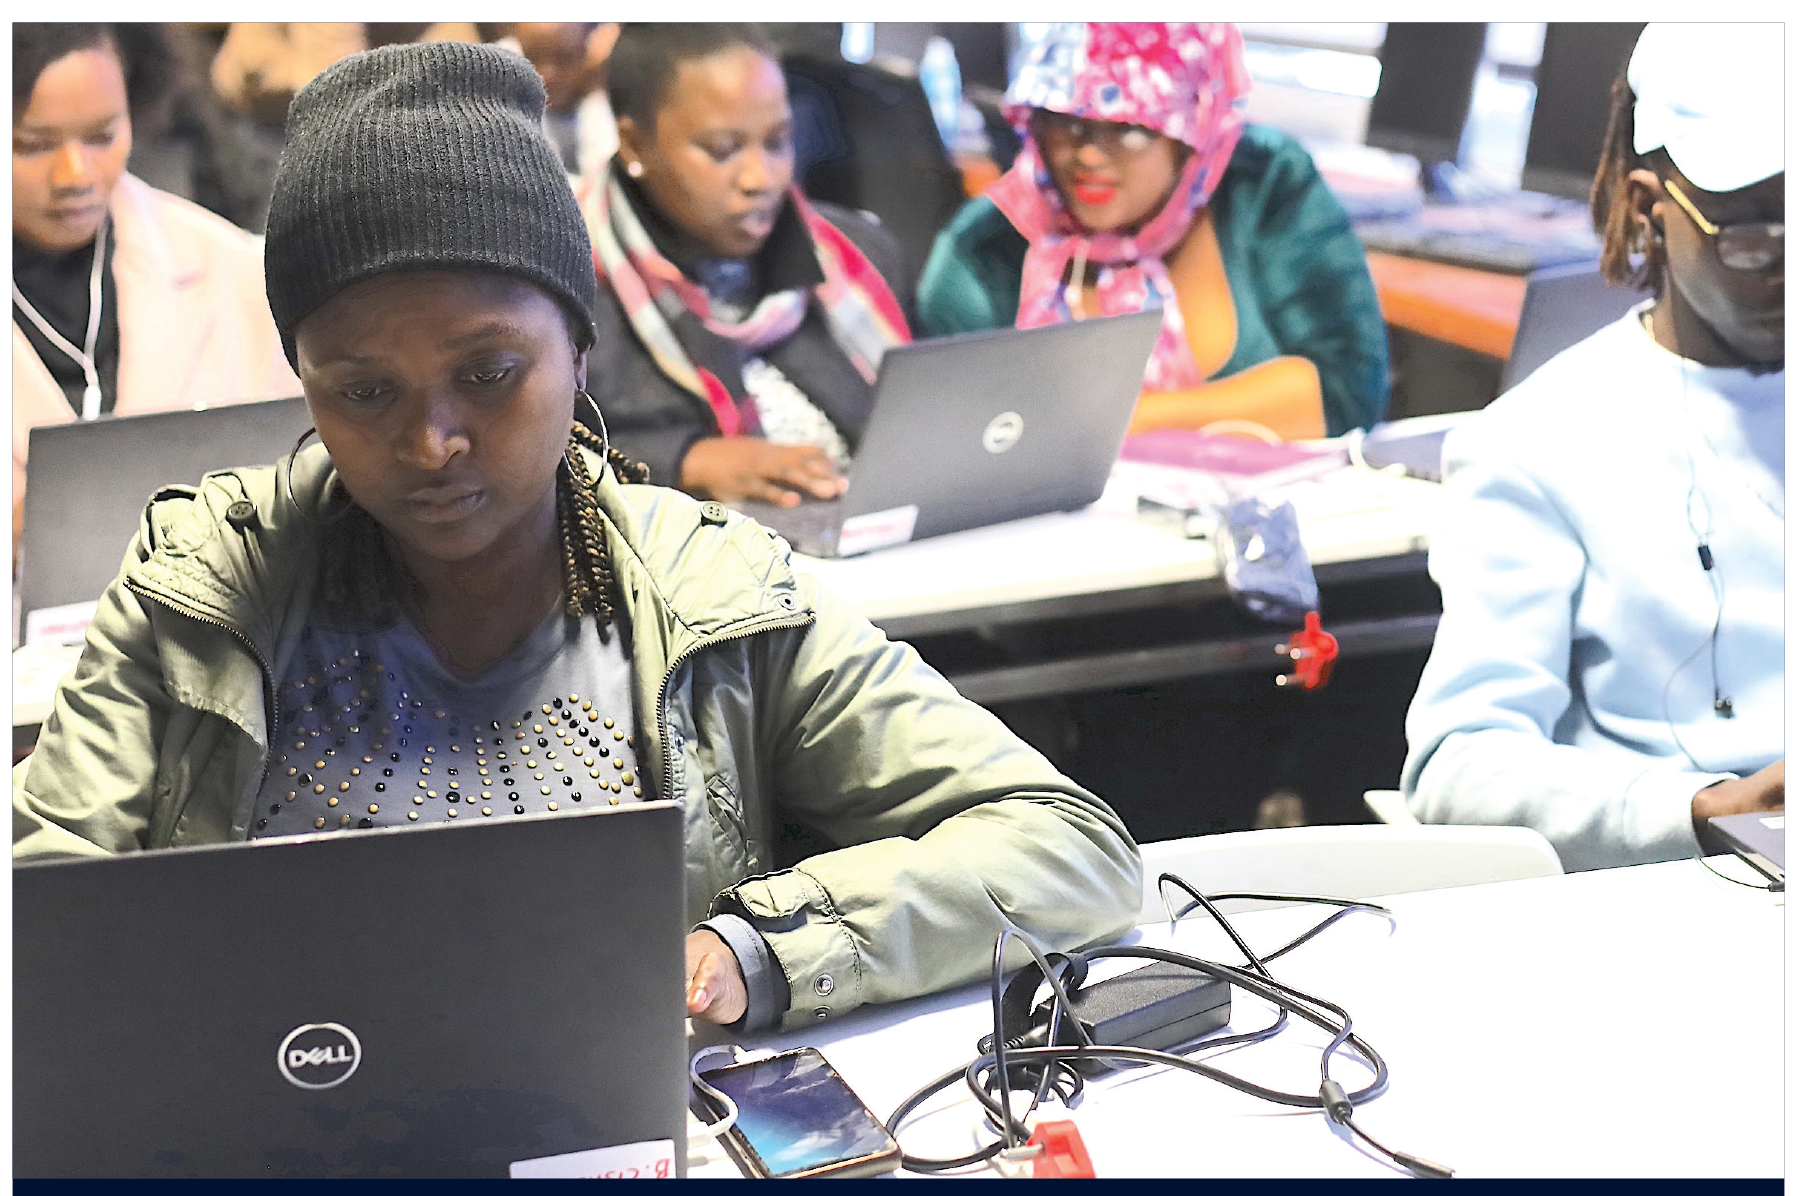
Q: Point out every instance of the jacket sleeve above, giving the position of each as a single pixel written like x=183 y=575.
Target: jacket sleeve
x=1315 y=291
x=952 y=828
x=1481 y=727
x=89 y=787
x=974 y=274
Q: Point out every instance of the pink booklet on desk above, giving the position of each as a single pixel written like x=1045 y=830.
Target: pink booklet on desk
x=1236 y=458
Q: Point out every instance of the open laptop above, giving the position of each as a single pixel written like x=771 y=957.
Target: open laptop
x=982 y=428
x=87 y=483
x=1757 y=838
x=422 y=1001
x=1562 y=306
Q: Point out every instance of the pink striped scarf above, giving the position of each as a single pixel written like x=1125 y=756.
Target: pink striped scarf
x=859 y=309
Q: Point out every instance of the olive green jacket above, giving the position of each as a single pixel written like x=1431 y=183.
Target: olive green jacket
x=761 y=698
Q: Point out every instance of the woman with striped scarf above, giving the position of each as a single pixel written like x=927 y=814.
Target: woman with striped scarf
x=741 y=327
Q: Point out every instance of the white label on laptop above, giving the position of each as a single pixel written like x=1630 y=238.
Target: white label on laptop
x=881 y=529
x=633 y=1160
x=1773 y=822
x=59 y=624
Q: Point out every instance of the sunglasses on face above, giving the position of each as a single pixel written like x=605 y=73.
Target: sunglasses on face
x=1755 y=246
x=1058 y=132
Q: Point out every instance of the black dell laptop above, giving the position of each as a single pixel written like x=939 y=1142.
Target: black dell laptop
x=450 y=1000
x=982 y=428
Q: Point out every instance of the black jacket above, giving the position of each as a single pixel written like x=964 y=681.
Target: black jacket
x=654 y=420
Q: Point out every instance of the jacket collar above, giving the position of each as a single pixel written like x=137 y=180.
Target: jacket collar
x=683 y=569
x=699 y=571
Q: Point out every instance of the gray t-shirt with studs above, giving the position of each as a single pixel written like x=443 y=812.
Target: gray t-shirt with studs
x=373 y=730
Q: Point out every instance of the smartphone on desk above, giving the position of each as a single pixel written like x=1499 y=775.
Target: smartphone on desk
x=796 y=1119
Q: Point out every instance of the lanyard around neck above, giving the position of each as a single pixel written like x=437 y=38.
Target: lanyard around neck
x=90 y=394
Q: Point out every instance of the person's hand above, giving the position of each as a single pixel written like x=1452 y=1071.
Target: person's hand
x=733 y=468
x=715 y=990
x=1764 y=790
x=599 y=47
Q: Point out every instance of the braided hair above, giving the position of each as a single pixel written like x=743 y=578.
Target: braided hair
x=1629 y=257
x=359 y=577
x=590 y=581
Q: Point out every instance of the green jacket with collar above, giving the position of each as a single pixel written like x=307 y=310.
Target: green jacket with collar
x=757 y=692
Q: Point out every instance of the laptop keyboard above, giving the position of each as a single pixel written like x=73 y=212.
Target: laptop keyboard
x=1517 y=233
x=1477 y=250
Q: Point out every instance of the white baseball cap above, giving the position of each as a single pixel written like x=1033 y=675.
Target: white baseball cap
x=1713 y=96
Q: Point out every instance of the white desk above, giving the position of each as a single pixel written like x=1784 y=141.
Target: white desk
x=1104 y=562
x=1627 y=1022
x=1352 y=515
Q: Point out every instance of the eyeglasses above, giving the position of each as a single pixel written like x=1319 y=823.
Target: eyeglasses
x=1059 y=132
x=1747 y=247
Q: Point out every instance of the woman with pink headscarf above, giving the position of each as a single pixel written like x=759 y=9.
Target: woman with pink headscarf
x=1139 y=185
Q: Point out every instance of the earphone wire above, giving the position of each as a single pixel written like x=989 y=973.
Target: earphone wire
x=1705 y=555
x=1707 y=559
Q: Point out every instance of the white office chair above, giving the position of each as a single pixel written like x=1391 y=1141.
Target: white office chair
x=1344 y=861
x=1388 y=806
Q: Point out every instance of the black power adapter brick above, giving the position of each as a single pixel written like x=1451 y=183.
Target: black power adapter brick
x=1157 y=1007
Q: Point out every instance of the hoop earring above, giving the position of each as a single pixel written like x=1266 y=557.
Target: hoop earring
x=287 y=484
x=604 y=436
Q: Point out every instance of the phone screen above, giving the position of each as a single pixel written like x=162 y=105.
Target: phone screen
x=797 y=1113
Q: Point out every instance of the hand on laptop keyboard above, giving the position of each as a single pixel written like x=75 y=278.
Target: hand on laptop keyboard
x=735 y=468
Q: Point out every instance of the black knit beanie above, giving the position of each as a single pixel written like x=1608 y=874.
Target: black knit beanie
x=415 y=156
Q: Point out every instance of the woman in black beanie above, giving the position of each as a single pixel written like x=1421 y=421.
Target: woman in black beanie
x=462 y=606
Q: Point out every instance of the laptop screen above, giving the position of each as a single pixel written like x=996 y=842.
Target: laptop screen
x=87 y=484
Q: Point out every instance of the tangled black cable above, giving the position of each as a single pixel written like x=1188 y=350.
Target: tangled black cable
x=1041 y=1062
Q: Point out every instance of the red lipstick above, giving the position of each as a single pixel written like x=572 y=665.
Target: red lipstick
x=1094 y=192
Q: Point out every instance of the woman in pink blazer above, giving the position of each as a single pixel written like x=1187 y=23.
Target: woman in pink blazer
x=182 y=316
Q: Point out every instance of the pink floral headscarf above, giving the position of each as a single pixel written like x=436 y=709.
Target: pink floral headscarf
x=1186 y=80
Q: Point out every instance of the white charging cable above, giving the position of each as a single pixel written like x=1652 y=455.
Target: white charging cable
x=723 y=1124
x=736 y=1055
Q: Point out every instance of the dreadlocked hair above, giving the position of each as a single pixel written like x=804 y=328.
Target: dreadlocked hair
x=360 y=580
x=1629 y=257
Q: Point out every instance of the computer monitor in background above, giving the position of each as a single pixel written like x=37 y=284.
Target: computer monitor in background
x=1579 y=62
x=1426 y=73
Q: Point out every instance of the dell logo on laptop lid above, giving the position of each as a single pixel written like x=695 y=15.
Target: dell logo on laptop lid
x=1003 y=432
x=319 y=1055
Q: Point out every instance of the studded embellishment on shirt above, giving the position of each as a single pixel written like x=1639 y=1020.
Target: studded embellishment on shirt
x=348 y=709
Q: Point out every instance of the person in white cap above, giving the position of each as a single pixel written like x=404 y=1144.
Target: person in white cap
x=1609 y=663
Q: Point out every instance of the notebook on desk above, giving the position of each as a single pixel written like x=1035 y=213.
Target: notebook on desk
x=978 y=429
x=87 y=483
x=429 y=1001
